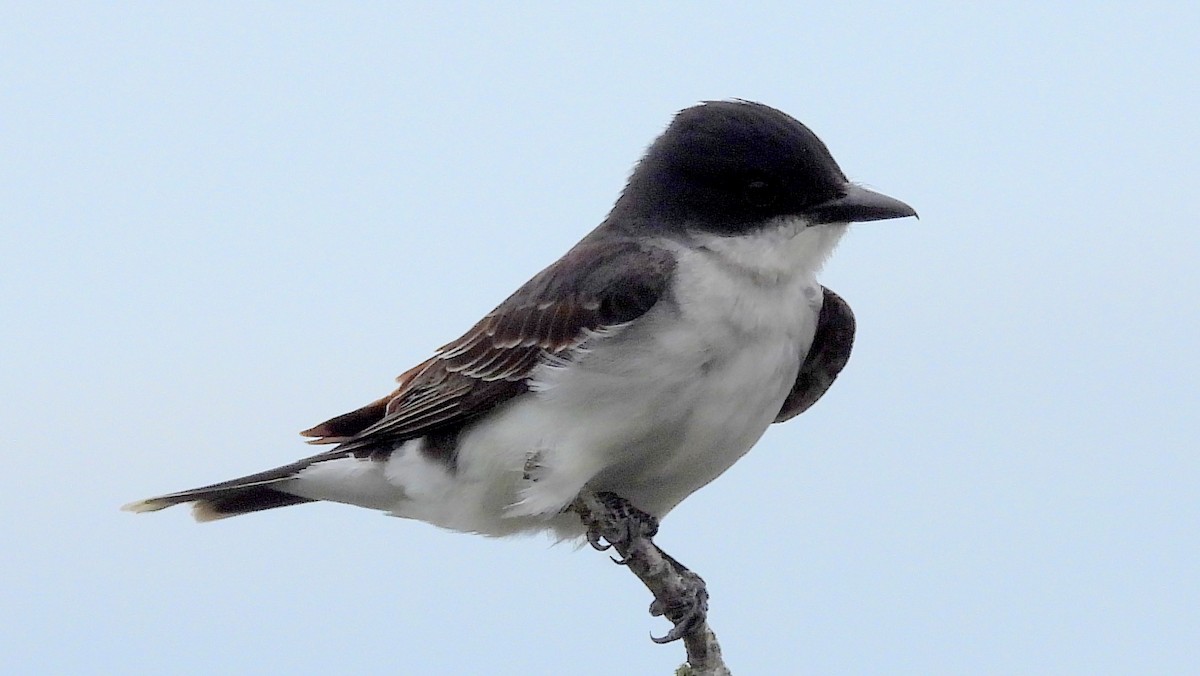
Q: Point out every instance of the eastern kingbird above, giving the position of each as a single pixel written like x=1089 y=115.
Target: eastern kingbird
x=644 y=362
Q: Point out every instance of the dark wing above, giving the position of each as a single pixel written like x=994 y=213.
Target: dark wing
x=829 y=353
x=598 y=284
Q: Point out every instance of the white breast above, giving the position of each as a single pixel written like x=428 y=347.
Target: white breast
x=748 y=309
x=656 y=410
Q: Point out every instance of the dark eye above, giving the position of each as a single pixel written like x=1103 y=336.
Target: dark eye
x=760 y=193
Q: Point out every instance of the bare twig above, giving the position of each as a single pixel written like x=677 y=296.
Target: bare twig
x=679 y=594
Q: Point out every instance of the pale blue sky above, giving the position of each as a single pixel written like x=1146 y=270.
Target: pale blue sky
x=223 y=223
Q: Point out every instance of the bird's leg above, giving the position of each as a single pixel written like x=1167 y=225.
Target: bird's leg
x=687 y=609
x=619 y=523
x=679 y=594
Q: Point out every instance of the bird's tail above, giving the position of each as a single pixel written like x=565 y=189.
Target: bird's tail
x=243 y=495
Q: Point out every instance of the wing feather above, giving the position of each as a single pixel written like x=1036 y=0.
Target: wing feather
x=825 y=359
x=599 y=284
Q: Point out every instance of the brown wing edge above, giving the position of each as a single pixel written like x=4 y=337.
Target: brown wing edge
x=343 y=427
x=601 y=282
x=828 y=355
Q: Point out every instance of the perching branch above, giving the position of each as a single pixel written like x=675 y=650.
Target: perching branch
x=679 y=594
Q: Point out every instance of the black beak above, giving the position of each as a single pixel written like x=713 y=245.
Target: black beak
x=859 y=204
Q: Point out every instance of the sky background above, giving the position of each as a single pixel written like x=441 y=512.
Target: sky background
x=221 y=223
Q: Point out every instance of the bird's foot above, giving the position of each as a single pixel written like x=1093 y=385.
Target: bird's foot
x=686 y=611
x=680 y=595
x=619 y=523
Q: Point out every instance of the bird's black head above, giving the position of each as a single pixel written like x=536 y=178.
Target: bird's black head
x=728 y=167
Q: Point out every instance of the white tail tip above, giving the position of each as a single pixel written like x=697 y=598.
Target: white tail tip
x=145 y=506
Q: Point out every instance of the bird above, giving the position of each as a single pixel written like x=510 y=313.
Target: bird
x=642 y=364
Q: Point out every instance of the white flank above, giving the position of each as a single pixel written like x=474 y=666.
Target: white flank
x=652 y=412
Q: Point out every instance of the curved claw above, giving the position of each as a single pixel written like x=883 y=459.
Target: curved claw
x=677 y=632
x=593 y=539
x=619 y=561
x=683 y=627
x=686 y=614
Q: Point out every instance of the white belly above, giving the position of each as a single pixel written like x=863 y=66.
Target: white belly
x=652 y=412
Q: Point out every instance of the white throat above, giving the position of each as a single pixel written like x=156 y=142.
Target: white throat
x=786 y=248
